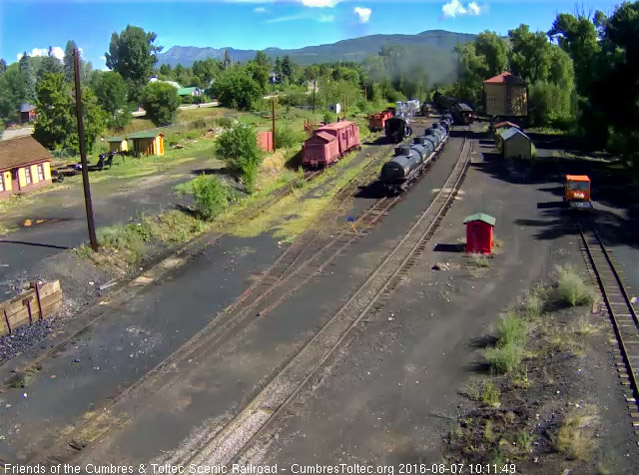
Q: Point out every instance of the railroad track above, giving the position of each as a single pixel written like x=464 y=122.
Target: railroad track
x=228 y=443
x=620 y=310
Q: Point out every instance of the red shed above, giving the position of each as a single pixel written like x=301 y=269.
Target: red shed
x=320 y=150
x=479 y=233
x=265 y=141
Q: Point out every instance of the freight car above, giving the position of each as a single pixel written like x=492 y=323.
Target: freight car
x=376 y=122
x=462 y=113
x=329 y=143
x=410 y=162
x=397 y=129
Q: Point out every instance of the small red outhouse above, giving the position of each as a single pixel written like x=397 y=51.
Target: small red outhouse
x=479 y=233
x=265 y=141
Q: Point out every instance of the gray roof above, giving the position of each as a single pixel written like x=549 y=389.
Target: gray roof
x=465 y=107
x=510 y=133
x=26 y=107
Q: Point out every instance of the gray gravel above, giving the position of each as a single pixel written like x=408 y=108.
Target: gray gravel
x=24 y=337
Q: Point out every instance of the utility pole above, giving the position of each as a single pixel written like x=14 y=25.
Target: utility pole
x=274 y=131
x=345 y=106
x=83 y=152
x=314 y=91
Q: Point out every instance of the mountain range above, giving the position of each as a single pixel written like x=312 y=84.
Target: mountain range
x=433 y=42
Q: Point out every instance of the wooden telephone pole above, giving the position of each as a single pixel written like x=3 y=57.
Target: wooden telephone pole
x=274 y=131
x=83 y=152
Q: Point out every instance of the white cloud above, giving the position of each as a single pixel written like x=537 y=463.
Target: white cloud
x=56 y=50
x=260 y=10
x=326 y=18
x=364 y=14
x=319 y=3
x=456 y=8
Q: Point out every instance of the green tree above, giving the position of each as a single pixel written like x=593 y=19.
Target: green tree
x=227 y=61
x=259 y=74
x=288 y=68
x=530 y=58
x=13 y=91
x=166 y=72
x=49 y=64
x=68 y=60
x=56 y=126
x=132 y=54
x=111 y=92
x=236 y=88
x=206 y=71
x=27 y=71
x=238 y=147
x=160 y=101
x=3 y=65
x=262 y=60
x=494 y=50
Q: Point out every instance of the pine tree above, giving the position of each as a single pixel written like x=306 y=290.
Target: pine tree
x=27 y=73
x=68 y=60
x=3 y=65
x=227 y=60
x=49 y=64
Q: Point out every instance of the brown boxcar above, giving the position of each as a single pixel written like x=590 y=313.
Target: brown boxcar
x=377 y=121
x=329 y=143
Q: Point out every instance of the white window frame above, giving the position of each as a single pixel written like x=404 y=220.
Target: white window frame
x=2 y=182
x=28 y=179
x=40 y=169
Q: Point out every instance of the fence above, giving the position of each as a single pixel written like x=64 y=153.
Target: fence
x=35 y=304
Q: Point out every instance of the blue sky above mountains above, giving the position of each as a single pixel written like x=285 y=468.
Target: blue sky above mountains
x=34 y=25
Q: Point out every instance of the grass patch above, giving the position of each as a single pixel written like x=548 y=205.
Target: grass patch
x=571 y=338
x=478 y=261
x=490 y=394
x=575 y=436
x=571 y=289
x=509 y=352
x=127 y=239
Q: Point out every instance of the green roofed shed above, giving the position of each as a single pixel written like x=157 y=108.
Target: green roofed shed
x=118 y=144
x=486 y=218
x=148 y=143
x=479 y=233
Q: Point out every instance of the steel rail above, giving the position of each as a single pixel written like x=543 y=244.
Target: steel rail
x=228 y=443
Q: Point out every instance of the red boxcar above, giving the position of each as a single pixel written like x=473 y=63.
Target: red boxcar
x=377 y=121
x=329 y=143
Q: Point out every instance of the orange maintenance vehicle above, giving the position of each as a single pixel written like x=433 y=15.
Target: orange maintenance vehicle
x=577 y=191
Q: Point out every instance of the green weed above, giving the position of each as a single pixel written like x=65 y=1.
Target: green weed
x=571 y=288
x=490 y=394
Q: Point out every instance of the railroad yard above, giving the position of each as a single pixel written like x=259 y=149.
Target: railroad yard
x=230 y=352
x=393 y=254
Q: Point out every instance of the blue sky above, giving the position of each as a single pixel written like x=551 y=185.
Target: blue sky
x=34 y=25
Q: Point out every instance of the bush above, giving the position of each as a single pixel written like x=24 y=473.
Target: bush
x=504 y=358
x=225 y=122
x=490 y=394
x=571 y=288
x=575 y=437
x=129 y=239
x=211 y=195
x=512 y=334
x=238 y=147
x=287 y=137
x=512 y=330
x=160 y=101
x=198 y=124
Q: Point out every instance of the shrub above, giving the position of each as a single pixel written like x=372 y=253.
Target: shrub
x=160 y=101
x=490 y=394
x=504 y=358
x=575 y=436
x=286 y=137
x=225 y=122
x=211 y=195
x=571 y=288
x=198 y=124
x=129 y=239
x=512 y=330
x=238 y=147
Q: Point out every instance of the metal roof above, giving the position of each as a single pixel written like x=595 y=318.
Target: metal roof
x=505 y=78
x=465 y=107
x=337 y=125
x=145 y=135
x=26 y=107
x=186 y=91
x=325 y=136
x=510 y=133
x=115 y=139
x=486 y=218
x=506 y=123
x=577 y=178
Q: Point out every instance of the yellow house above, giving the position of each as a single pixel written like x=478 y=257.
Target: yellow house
x=25 y=165
x=147 y=143
x=118 y=144
x=506 y=96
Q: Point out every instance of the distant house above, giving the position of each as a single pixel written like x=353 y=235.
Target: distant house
x=27 y=112
x=189 y=91
x=25 y=165
x=147 y=143
x=506 y=96
x=515 y=144
x=118 y=144
x=274 y=78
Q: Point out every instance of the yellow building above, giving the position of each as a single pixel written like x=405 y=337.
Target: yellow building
x=118 y=144
x=25 y=165
x=147 y=143
x=506 y=96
